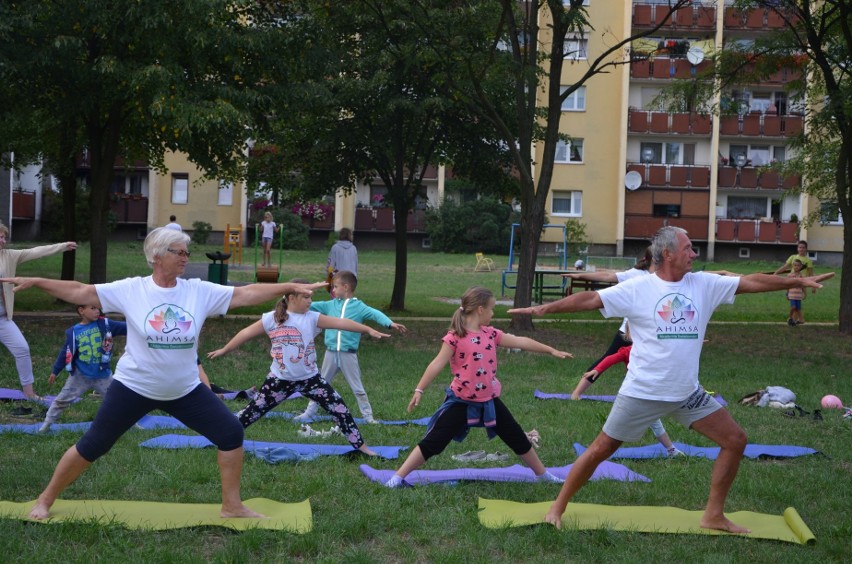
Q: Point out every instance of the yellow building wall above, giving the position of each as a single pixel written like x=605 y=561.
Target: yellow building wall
x=602 y=126
x=202 y=201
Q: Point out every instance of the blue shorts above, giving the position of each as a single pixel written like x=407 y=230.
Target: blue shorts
x=267 y=240
x=796 y=304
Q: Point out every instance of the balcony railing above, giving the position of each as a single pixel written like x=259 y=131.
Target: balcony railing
x=751 y=177
x=756 y=230
x=638 y=226
x=757 y=19
x=692 y=17
x=641 y=121
x=665 y=68
x=761 y=125
x=130 y=208
x=672 y=175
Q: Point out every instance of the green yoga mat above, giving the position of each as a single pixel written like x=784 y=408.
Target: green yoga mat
x=155 y=516
x=789 y=527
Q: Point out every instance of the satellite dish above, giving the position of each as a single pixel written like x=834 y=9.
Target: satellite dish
x=632 y=180
x=695 y=55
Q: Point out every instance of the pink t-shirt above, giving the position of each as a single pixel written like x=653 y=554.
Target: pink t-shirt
x=474 y=364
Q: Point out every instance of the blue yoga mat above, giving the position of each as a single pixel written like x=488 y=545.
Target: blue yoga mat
x=32 y=428
x=517 y=473
x=543 y=395
x=197 y=441
x=751 y=451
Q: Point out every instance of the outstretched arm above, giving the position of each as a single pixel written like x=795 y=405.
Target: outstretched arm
x=597 y=276
x=438 y=363
x=583 y=301
x=328 y=322
x=244 y=336
x=759 y=282
x=69 y=291
x=254 y=294
x=527 y=344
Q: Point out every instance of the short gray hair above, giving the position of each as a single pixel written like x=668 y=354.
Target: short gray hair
x=665 y=240
x=159 y=240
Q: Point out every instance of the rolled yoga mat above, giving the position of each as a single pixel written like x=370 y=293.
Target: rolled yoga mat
x=788 y=527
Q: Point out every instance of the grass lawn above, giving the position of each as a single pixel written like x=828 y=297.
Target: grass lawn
x=357 y=520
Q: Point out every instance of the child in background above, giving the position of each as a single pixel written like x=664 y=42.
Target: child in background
x=291 y=328
x=623 y=355
x=473 y=398
x=86 y=356
x=796 y=295
x=268 y=230
x=341 y=354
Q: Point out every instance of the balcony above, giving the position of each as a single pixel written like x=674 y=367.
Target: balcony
x=761 y=125
x=672 y=175
x=665 y=68
x=690 y=18
x=749 y=177
x=130 y=208
x=754 y=230
x=638 y=226
x=758 y=19
x=23 y=204
x=641 y=121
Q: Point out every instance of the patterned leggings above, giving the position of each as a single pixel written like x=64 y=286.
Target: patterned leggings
x=276 y=390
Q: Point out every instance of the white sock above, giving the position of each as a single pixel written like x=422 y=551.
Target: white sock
x=394 y=482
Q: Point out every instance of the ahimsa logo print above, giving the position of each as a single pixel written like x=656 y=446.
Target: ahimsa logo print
x=676 y=318
x=170 y=327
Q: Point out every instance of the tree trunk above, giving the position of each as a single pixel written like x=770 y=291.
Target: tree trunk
x=400 y=277
x=67 y=163
x=845 y=313
x=103 y=149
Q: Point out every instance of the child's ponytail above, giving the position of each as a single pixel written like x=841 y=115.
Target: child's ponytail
x=281 y=306
x=472 y=299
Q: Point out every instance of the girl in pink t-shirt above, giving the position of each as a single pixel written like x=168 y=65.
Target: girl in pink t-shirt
x=473 y=397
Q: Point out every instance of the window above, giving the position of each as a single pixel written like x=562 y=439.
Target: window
x=759 y=155
x=666 y=210
x=180 y=188
x=567 y=202
x=829 y=213
x=747 y=207
x=575 y=48
x=576 y=101
x=226 y=193
x=569 y=151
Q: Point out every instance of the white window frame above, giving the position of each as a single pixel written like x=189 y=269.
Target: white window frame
x=576 y=101
x=225 y=196
x=180 y=188
x=576 y=48
x=563 y=151
x=574 y=197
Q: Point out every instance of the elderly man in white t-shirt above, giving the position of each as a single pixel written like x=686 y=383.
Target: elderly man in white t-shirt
x=669 y=312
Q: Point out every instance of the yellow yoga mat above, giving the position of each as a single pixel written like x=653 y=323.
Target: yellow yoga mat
x=789 y=527
x=155 y=516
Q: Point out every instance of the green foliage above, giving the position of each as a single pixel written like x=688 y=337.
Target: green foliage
x=575 y=234
x=480 y=225
x=200 y=232
x=52 y=216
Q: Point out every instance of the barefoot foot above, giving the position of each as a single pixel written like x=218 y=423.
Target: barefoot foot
x=40 y=511
x=722 y=523
x=242 y=512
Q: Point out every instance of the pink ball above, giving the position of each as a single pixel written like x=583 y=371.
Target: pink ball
x=831 y=402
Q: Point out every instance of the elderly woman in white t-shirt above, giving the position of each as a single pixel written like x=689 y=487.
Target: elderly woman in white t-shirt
x=158 y=369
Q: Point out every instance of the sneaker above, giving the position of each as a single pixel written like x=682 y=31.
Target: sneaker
x=370 y=421
x=397 y=482
x=674 y=451
x=790 y=322
x=45 y=427
x=470 y=456
x=549 y=478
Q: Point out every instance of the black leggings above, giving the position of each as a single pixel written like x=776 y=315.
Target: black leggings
x=454 y=420
x=201 y=410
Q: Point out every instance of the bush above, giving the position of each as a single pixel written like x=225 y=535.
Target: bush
x=200 y=232
x=481 y=225
x=52 y=217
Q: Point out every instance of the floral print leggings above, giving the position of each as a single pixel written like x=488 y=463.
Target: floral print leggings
x=275 y=390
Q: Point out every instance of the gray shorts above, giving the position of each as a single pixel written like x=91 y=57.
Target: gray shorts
x=630 y=417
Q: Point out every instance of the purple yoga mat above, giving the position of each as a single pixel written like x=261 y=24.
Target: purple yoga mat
x=751 y=451
x=9 y=394
x=517 y=473
x=542 y=395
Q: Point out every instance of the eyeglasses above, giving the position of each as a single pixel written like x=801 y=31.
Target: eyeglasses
x=181 y=253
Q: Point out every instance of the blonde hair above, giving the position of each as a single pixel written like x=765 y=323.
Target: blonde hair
x=267 y=214
x=473 y=298
x=281 y=307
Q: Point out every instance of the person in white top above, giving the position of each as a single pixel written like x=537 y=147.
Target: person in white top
x=173 y=224
x=668 y=311
x=159 y=367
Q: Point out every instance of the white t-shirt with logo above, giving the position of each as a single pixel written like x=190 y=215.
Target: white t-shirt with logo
x=163 y=325
x=624 y=276
x=294 y=357
x=668 y=321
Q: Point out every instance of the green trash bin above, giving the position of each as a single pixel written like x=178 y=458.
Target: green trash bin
x=217 y=272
